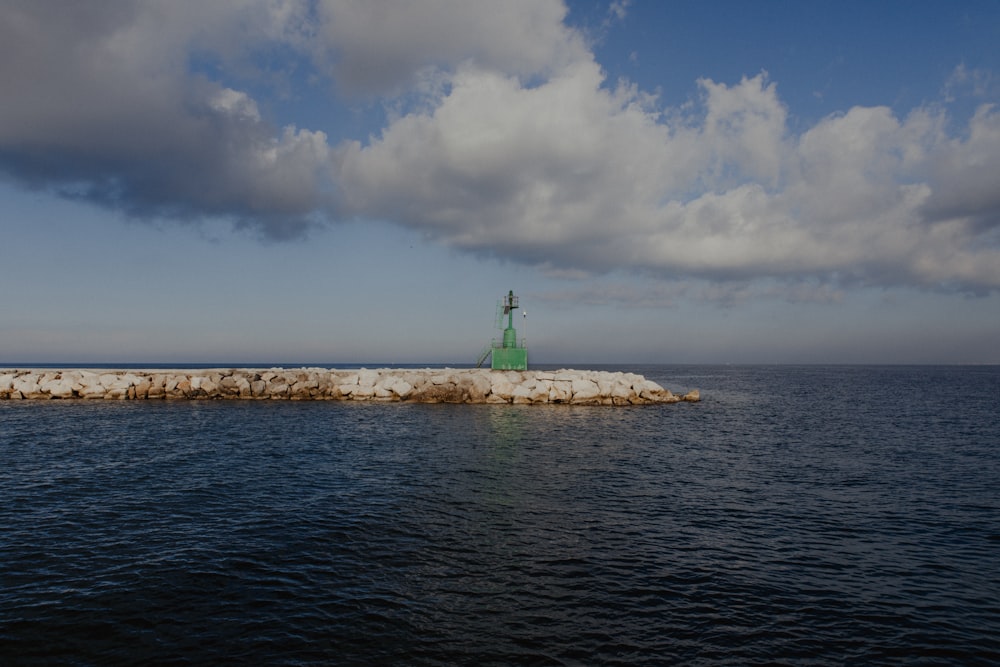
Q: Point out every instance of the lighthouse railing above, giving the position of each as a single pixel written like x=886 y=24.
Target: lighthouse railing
x=498 y=344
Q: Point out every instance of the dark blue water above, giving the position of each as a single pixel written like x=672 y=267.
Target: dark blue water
x=798 y=515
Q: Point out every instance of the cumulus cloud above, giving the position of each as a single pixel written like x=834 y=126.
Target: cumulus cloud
x=521 y=148
x=574 y=175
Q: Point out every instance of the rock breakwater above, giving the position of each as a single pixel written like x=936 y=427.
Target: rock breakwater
x=429 y=385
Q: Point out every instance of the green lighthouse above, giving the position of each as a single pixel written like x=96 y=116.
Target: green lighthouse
x=507 y=354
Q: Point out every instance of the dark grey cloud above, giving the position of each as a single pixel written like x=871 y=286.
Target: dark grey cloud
x=100 y=104
x=372 y=49
x=965 y=176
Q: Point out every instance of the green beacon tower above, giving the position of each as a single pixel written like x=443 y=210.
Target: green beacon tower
x=507 y=354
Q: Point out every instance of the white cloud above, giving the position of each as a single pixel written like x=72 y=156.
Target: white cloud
x=618 y=9
x=498 y=166
x=980 y=83
x=235 y=103
x=571 y=175
x=744 y=127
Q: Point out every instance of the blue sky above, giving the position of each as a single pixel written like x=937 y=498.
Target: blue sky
x=323 y=181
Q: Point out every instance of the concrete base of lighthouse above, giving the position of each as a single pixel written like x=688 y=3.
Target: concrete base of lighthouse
x=510 y=358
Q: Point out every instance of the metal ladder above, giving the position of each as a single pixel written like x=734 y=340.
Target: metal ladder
x=485 y=353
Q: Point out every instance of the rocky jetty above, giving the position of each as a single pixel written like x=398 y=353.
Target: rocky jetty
x=429 y=385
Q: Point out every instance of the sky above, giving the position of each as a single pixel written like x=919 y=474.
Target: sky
x=348 y=181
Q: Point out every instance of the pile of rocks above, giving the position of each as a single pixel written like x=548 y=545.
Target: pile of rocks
x=427 y=385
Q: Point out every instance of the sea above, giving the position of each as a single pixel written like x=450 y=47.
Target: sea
x=797 y=515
